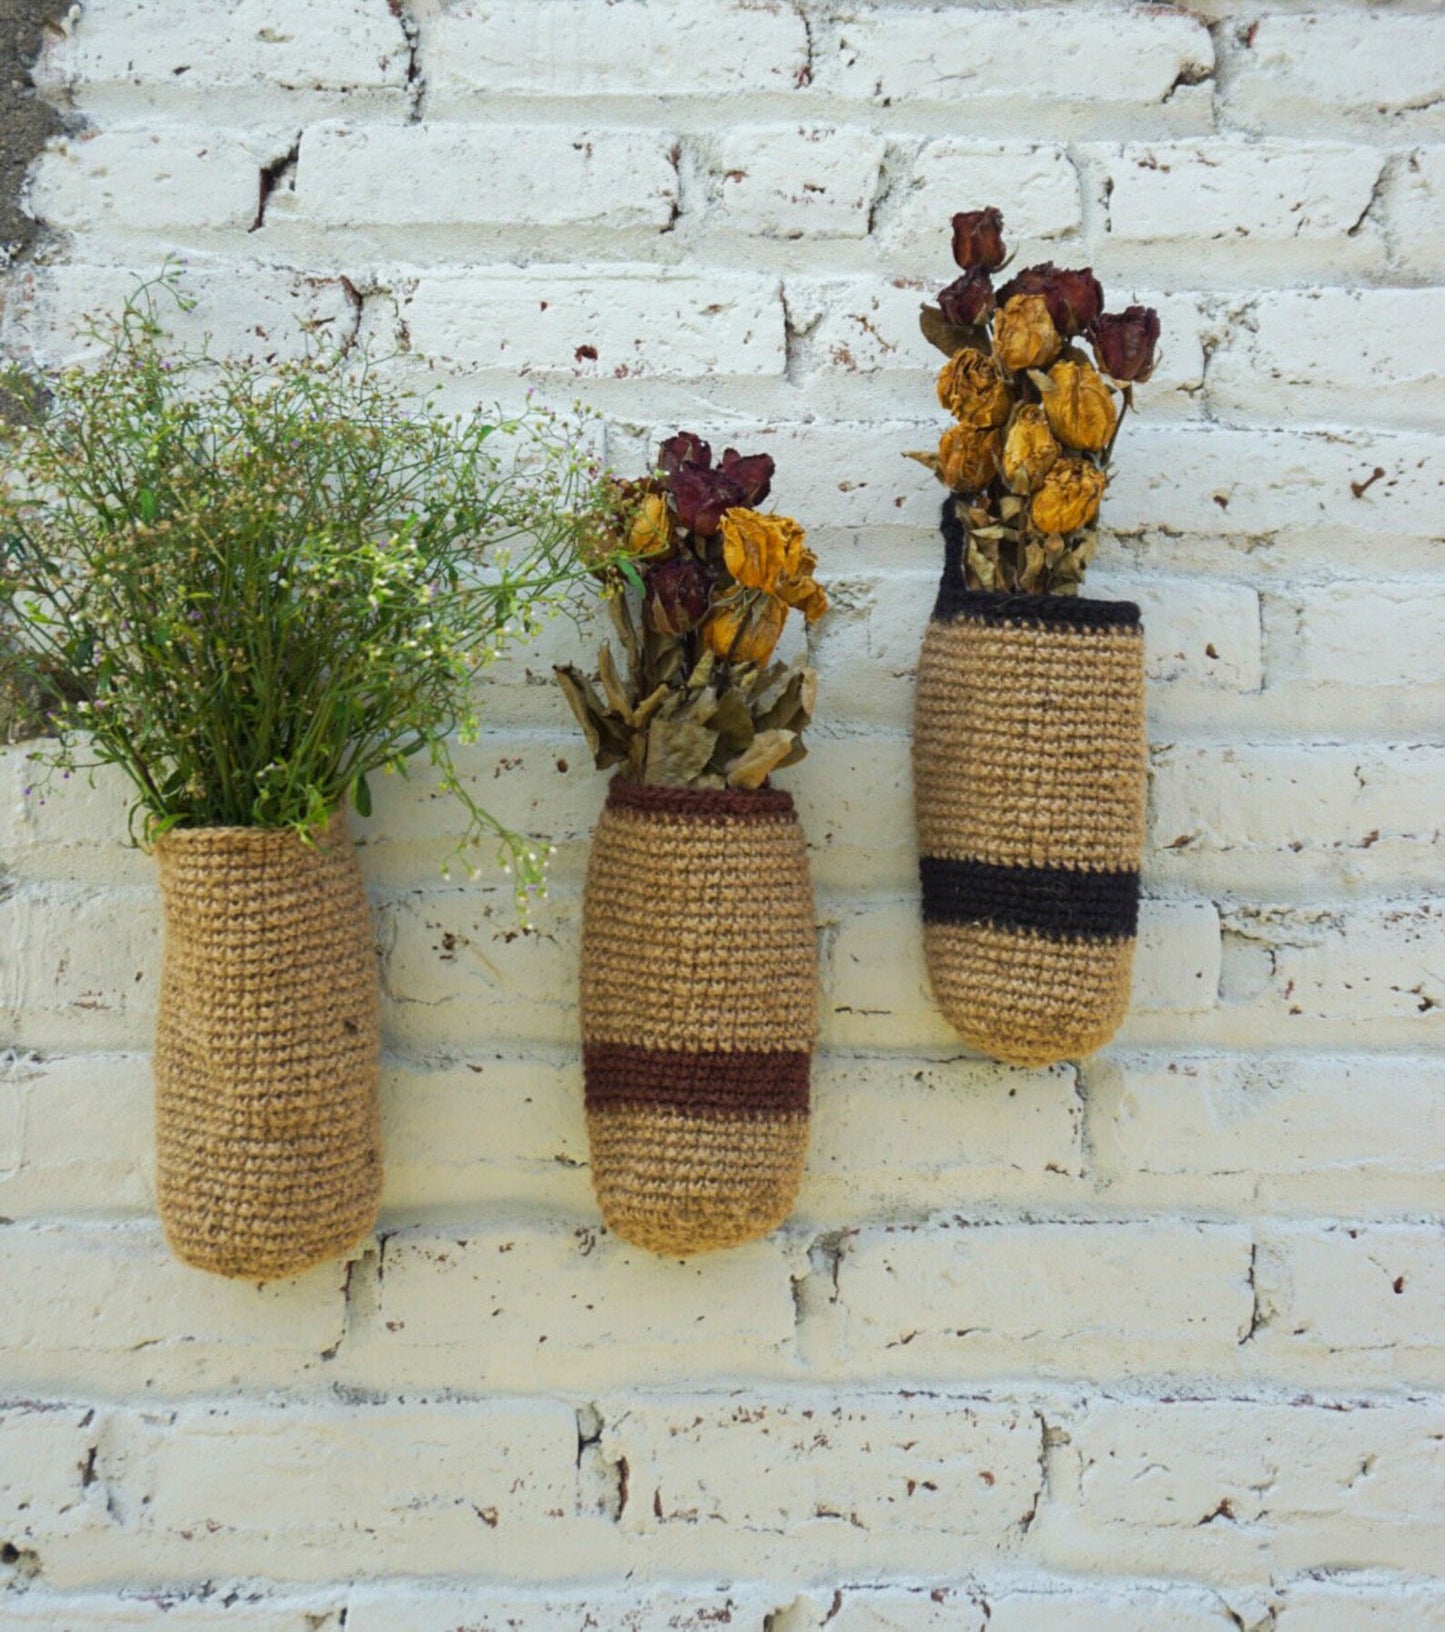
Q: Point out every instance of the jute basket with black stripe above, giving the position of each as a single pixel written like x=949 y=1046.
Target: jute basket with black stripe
x=1029 y=789
x=699 y=1014
x=267 y=1058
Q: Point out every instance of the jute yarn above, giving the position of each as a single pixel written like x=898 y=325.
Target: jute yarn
x=1029 y=764
x=268 y=1135
x=699 y=1014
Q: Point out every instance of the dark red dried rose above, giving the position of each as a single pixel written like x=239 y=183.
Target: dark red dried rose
x=978 y=240
x=1073 y=296
x=701 y=496
x=967 y=300
x=752 y=472
x=1124 y=342
x=678 y=593
x=683 y=449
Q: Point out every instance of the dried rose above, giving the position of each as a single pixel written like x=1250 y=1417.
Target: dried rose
x=802 y=591
x=683 y=449
x=978 y=240
x=744 y=627
x=678 y=593
x=1029 y=450
x=1024 y=335
x=752 y=472
x=968 y=457
x=1069 y=497
x=1080 y=406
x=1074 y=296
x=1124 y=342
x=762 y=552
x=702 y=496
x=651 y=530
x=967 y=300
x=973 y=391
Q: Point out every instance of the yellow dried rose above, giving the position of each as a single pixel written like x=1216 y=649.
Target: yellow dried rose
x=651 y=530
x=972 y=390
x=761 y=551
x=1080 y=406
x=1069 y=497
x=1024 y=335
x=1029 y=450
x=802 y=591
x=744 y=627
x=968 y=457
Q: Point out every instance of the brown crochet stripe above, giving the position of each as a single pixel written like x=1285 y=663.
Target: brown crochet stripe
x=701 y=804
x=1028 y=999
x=713 y=1085
x=1029 y=746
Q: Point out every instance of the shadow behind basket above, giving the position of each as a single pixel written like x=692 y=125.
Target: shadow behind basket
x=699 y=1001
x=268 y=1140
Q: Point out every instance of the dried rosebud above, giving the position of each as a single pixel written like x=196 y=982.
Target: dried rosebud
x=1080 y=406
x=978 y=240
x=1029 y=450
x=1074 y=296
x=678 y=592
x=972 y=389
x=968 y=457
x=744 y=628
x=651 y=530
x=967 y=300
x=1124 y=342
x=1069 y=497
x=683 y=449
x=752 y=472
x=702 y=496
x=1024 y=335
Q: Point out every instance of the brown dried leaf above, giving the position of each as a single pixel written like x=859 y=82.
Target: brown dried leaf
x=616 y=693
x=949 y=337
x=607 y=737
x=678 y=748
x=769 y=749
x=733 y=723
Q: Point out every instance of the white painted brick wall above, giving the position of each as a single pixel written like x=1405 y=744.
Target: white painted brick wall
x=1150 y=1343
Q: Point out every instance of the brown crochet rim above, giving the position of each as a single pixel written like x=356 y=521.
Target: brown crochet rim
x=700 y=804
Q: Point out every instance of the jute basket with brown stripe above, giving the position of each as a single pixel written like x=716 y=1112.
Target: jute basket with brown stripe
x=1029 y=789
x=268 y=1136
x=699 y=1014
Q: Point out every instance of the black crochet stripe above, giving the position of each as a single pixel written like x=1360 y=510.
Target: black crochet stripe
x=1062 y=903
x=956 y=600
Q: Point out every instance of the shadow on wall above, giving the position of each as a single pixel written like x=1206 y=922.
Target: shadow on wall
x=28 y=123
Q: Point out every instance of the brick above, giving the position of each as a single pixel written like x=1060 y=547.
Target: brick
x=1354 y=356
x=1339 y=631
x=45 y=1496
x=525 y=1306
x=542 y=177
x=491 y=1609
x=631 y=324
x=867 y=1481
x=1034 y=183
x=480 y=49
x=1235 y=1491
x=337 y=55
x=106 y=1306
x=1415 y=211
x=45 y=308
x=1354 y=1303
x=1284 y=199
x=1248 y=815
x=969 y=57
x=1313 y=70
x=1329 y=1606
x=321 y=1611
x=798 y=181
x=85 y=966
x=982 y=1607
x=131 y=181
x=1074 y=1299
x=1280 y=1131
x=1362 y=975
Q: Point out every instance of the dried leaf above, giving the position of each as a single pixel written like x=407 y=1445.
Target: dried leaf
x=648 y=707
x=612 y=686
x=733 y=723
x=949 y=337
x=981 y=568
x=769 y=749
x=677 y=749
x=606 y=736
x=621 y=615
x=929 y=459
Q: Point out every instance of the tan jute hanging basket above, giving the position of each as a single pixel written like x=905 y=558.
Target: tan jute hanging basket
x=1029 y=767
x=268 y=1139
x=699 y=1014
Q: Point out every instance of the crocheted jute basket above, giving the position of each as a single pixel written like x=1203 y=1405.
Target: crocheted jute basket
x=699 y=1014
x=268 y=1137
x=1029 y=789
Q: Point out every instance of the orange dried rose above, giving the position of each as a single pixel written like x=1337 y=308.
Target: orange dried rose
x=744 y=627
x=1029 y=450
x=1069 y=497
x=651 y=530
x=760 y=551
x=972 y=389
x=1024 y=335
x=968 y=457
x=1080 y=406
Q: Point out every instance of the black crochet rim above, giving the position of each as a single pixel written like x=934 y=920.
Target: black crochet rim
x=1061 y=903
x=1004 y=609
